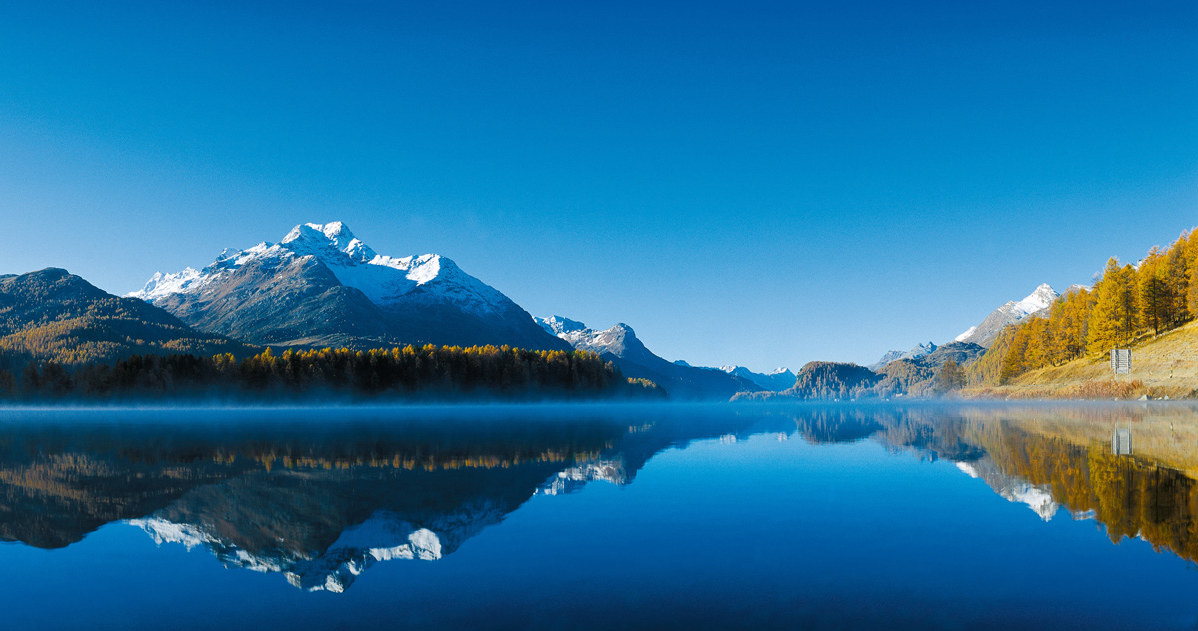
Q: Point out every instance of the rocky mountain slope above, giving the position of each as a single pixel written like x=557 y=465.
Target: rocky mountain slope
x=322 y=286
x=1034 y=304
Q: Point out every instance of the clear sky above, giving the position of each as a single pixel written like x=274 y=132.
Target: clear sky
x=741 y=182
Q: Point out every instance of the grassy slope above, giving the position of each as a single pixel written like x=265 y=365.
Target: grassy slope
x=1161 y=366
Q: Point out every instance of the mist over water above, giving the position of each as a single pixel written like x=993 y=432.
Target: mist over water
x=601 y=516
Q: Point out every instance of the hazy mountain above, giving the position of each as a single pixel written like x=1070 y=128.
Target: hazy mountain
x=918 y=351
x=823 y=381
x=323 y=286
x=776 y=380
x=620 y=345
x=916 y=376
x=1036 y=303
x=54 y=315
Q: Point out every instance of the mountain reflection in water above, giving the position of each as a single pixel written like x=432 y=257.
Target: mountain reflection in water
x=322 y=497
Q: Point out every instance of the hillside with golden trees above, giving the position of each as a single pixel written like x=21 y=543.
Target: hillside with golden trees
x=1129 y=306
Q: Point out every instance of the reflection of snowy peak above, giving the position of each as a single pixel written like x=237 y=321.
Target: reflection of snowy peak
x=576 y=477
x=384 y=536
x=1013 y=489
x=322 y=282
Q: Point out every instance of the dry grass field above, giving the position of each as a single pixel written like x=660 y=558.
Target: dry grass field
x=1163 y=366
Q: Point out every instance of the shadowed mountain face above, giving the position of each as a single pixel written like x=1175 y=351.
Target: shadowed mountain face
x=322 y=286
x=280 y=301
x=319 y=500
x=52 y=315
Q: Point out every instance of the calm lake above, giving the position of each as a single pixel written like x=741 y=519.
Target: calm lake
x=592 y=517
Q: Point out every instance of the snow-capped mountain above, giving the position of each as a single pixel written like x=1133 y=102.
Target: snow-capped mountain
x=620 y=345
x=322 y=285
x=920 y=350
x=776 y=380
x=1035 y=304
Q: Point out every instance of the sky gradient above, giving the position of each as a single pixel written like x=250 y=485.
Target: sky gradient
x=754 y=183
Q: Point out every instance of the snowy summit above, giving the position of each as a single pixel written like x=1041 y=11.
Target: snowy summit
x=383 y=279
x=321 y=285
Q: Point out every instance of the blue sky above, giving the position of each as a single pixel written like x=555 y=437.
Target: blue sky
x=753 y=183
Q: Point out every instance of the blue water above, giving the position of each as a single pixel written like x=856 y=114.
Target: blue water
x=722 y=517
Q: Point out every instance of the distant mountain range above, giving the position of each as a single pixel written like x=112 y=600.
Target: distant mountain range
x=776 y=380
x=319 y=286
x=620 y=345
x=322 y=286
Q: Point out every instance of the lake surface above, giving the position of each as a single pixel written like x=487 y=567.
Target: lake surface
x=588 y=517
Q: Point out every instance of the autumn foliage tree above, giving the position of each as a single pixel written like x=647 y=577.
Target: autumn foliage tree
x=1125 y=304
x=951 y=376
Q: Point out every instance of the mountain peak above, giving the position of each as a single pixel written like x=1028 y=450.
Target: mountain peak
x=318 y=239
x=1036 y=303
x=378 y=299
x=1040 y=299
x=557 y=325
x=332 y=231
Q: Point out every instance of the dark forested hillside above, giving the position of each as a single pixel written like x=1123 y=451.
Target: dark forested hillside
x=429 y=372
x=52 y=315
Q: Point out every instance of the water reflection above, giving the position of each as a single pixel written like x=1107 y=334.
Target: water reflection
x=1121 y=442
x=321 y=499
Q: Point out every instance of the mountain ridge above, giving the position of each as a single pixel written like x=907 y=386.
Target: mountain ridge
x=321 y=285
x=620 y=344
